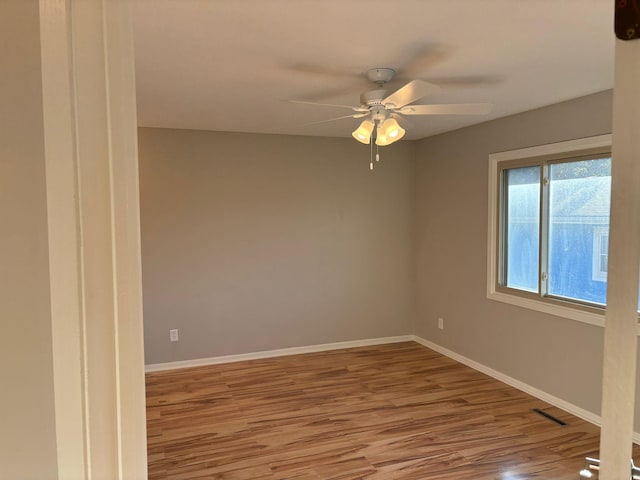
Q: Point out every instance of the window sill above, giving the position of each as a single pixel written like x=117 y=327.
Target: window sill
x=591 y=318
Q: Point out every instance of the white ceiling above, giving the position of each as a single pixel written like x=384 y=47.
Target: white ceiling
x=228 y=65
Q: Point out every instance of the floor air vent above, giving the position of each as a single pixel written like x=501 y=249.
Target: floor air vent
x=549 y=417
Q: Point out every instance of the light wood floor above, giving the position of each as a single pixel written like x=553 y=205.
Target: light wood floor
x=397 y=411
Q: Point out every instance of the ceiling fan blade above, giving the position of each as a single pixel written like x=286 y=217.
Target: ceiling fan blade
x=467 y=81
x=403 y=121
x=448 y=109
x=334 y=105
x=348 y=81
x=325 y=71
x=412 y=91
x=422 y=58
x=352 y=90
x=356 y=115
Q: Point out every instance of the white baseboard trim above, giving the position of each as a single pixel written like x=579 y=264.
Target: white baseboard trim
x=533 y=391
x=199 y=362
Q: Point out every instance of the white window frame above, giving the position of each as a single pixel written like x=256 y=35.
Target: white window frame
x=597 y=274
x=566 y=149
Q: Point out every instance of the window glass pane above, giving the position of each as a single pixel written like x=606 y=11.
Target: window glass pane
x=522 y=227
x=579 y=197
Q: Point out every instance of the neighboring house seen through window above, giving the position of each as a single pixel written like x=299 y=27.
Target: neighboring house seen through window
x=600 y=254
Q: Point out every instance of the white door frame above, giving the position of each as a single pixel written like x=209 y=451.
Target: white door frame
x=620 y=343
x=94 y=238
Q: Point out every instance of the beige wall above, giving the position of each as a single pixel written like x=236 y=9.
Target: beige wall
x=562 y=357
x=27 y=442
x=259 y=242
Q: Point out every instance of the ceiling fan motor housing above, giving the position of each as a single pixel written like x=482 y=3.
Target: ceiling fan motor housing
x=380 y=75
x=373 y=97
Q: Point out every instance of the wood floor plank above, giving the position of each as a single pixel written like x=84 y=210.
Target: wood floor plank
x=398 y=411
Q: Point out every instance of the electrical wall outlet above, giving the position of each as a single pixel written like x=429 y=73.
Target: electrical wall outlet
x=441 y=323
x=173 y=335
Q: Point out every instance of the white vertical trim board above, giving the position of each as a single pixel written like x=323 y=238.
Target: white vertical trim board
x=125 y=226
x=89 y=121
x=533 y=391
x=281 y=352
x=620 y=345
x=67 y=315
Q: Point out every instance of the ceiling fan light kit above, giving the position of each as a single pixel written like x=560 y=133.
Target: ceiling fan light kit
x=386 y=133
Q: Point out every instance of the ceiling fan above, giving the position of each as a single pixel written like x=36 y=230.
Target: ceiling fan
x=381 y=111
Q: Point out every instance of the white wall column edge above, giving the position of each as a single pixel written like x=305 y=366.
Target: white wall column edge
x=620 y=342
x=125 y=197
x=94 y=238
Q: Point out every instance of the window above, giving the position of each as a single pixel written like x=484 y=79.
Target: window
x=521 y=228
x=551 y=212
x=579 y=194
x=549 y=227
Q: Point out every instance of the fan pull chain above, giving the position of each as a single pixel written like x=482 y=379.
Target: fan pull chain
x=371 y=159
x=377 y=153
